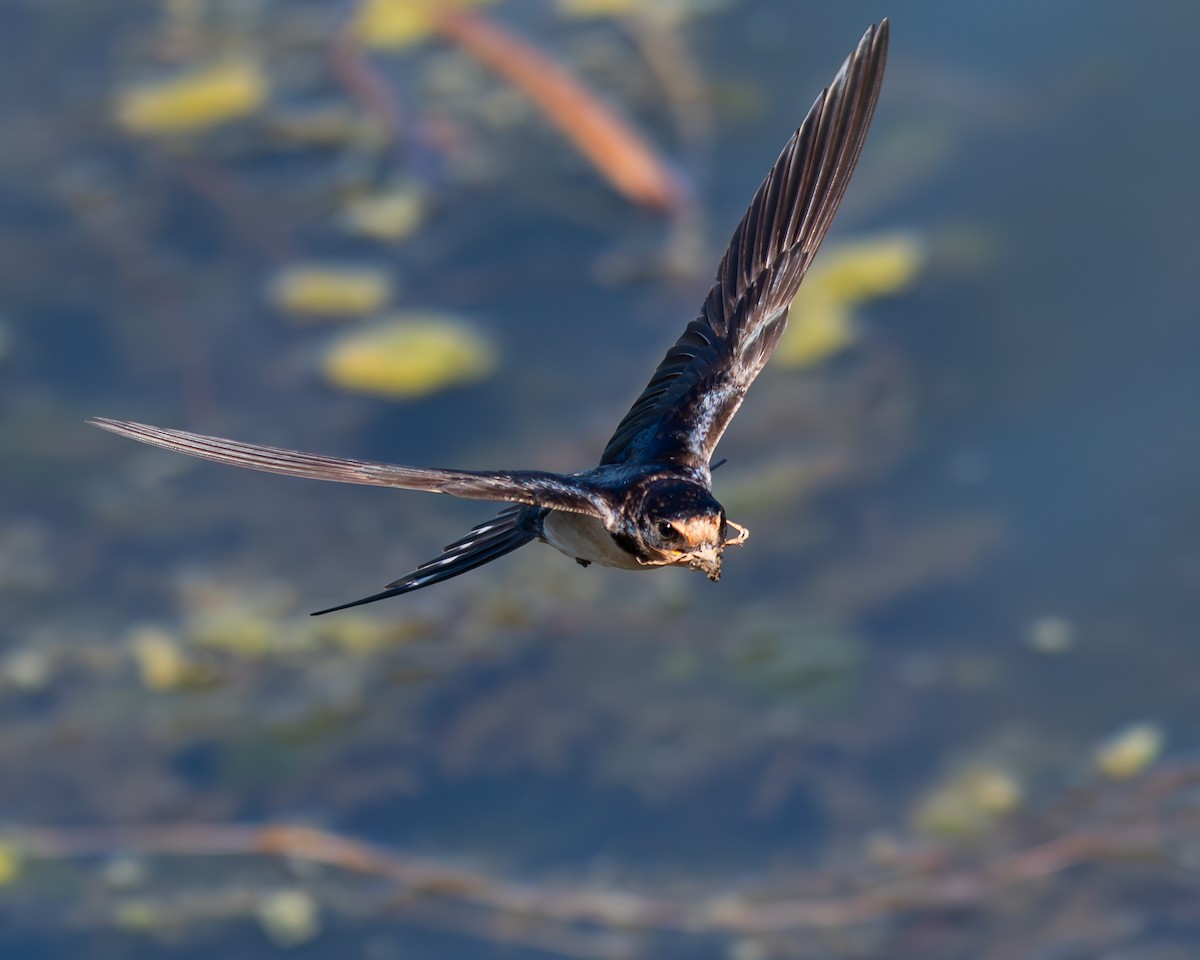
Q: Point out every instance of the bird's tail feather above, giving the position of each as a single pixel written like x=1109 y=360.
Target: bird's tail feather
x=488 y=541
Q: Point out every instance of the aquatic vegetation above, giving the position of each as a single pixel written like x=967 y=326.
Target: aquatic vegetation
x=671 y=11
x=969 y=803
x=395 y=24
x=896 y=882
x=641 y=715
x=387 y=215
x=139 y=915
x=289 y=917
x=27 y=669
x=200 y=98
x=332 y=124
x=409 y=355
x=1130 y=750
x=10 y=863
x=325 y=291
x=612 y=145
x=163 y=662
x=843 y=278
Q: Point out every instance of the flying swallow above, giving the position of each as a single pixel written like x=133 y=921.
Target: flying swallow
x=649 y=503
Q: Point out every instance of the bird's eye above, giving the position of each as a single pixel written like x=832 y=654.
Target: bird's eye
x=666 y=528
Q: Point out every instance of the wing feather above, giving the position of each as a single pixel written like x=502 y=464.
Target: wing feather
x=486 y=542
x=702 y=380
x=559 y=491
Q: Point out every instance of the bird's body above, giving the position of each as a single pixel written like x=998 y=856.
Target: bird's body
x=585 y=540
x=649 y=503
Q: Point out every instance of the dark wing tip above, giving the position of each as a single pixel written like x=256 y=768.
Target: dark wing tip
x=698 y=386
x=383 y=595
x=487 y=541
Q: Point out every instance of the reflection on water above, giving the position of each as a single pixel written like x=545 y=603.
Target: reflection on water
x=955 y=660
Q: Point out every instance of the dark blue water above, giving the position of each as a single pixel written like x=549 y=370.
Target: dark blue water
x=1010 y=444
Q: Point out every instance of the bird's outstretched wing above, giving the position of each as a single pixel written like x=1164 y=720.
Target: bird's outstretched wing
x=486 y=542
x=558 y=491
x=700 y=383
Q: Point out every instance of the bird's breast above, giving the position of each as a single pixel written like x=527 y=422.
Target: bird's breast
x=585 y=538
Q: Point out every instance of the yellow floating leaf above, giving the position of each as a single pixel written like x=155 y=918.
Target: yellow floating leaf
x=394 y=24
x=389 y=215
x=138 y=914
x=364 y=636
x=818 y=328
x=597 y=8
x=243 y=633
x=996 y=791
x=844 y=277
x=315 y=291
x=10 y=863
x=410 y=356
x=969 y=803
x=323 y=125
x=872 y=267
x=1130 y=750
x=193 y=101
x=289 y=917
x=160 y=660
x=668 y=11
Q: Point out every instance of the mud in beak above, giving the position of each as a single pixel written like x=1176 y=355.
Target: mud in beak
x=708 y=561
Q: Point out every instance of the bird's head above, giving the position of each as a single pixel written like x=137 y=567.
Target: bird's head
x=681 y=523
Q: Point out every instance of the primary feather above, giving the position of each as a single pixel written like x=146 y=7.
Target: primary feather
x=533 y=487
x=698 y=387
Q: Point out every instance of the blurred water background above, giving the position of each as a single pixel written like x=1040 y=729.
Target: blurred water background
x=942 y=704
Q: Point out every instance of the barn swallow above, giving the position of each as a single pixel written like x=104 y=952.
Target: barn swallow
x=649 y=503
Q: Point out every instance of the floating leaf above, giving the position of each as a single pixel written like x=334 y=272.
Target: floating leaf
x=844 y=277
x=389 y=215
x=163 y=661
x=10 y=863
x=1130 y=750
x=410 y=356
x=668 y=11
x=193 y=101
x=322 y=125
x=820 y=328
x=160 y=661
x=969 y=803
x=138 y=914
x=314 y=291
x=597 y=8
x=27 y=669
x=394 y=24
x=289 y=917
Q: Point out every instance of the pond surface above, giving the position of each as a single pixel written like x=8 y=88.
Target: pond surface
x=941 y=704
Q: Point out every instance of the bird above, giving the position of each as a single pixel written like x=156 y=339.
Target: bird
x=649 y=502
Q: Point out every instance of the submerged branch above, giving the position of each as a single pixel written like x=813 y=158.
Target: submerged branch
x=923 y=879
